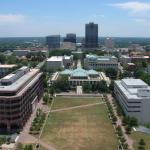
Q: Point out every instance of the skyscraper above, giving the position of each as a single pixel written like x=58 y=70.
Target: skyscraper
x=71 y=37
x=91 y=35
x=53 y=41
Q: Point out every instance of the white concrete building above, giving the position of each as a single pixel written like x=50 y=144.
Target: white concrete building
x=59 y=62
x=134 y=98
x=55 y=62
x=100 y=62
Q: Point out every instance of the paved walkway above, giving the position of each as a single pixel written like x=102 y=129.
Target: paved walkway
x=79 y=90
x=27 y=138
x=119 y=123
x=79 y=65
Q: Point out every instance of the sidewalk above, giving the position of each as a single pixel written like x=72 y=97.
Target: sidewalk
x=119 y=123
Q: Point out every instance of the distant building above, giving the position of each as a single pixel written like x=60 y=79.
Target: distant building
x=91 y=35
x=59 y=62
x=20 y=92
x=5 y=69
x=68 y=45
x=71 y=37
x=53 y=41
x=124 y=59
x=135 y=59
x=100 y=62
x=134 y=98
x=109 y=43
x=136 y=48
x=21 y=53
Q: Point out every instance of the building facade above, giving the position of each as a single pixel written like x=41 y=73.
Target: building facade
x=20 y=92
x=21 y=53
x=91 y=35
x=134 y=98
x=53 y=41
x=100 y=62
x=70 y=37
x=79 y=76
x=109 y=43
x=59 y=62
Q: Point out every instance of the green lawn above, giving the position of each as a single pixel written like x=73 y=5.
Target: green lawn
x=80 y=129
x=136 y=136
x=64 y=102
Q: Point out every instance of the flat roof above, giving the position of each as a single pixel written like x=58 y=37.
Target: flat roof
x=7 y=65
x=8 y=76
x=134 y=82
x=129 y=90
x=18 y=83
x=55 y=58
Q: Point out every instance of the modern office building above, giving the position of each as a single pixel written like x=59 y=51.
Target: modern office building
x=5 y=69
x=91 y=35
x=70 y=37
x=134 y=98
x=53 y=41
x=20 y=92
x=100 y=62
x=59 y=62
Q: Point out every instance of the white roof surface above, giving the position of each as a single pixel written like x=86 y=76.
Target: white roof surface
x=134 y=82
x=55 y=58
x=131 y=87
x=7 y=66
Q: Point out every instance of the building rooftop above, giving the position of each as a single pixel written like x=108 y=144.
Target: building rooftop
x=7 y=65
x=134 y=88
x=55 y=58
x=79 y=72
x=17 y=79
x=134 y=83
x=99 y=58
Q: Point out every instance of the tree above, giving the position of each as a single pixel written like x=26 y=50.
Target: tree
x=111 y=86
x=133 y=122
x=102 y=86
x=2 y=59
x=142 y=144
x=112 y=73
x=52 y=91
x=46 y=98
x=87 y=87
x=62 y=84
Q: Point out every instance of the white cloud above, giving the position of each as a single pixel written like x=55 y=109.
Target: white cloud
x=139 y=11
x=11 y=18
x=134 y=6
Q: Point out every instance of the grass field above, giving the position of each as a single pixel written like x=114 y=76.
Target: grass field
x=61 y=102
x=136 y=136
x=79 y=129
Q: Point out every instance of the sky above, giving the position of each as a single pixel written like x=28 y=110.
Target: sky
x=116 y=18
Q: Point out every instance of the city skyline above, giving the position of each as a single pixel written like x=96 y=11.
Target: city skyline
x=40 y=18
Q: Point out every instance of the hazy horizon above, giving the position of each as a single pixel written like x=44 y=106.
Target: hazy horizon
x=39 y=18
